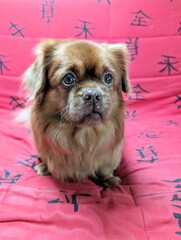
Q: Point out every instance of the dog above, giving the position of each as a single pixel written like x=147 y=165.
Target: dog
x=77 y=108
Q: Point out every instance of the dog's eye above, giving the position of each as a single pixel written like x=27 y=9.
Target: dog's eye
x=68 y=80
x=108 y=79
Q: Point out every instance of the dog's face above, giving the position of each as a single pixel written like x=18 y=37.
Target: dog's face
x=78 y=82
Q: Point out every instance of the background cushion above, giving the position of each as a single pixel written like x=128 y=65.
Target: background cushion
x=148 y=203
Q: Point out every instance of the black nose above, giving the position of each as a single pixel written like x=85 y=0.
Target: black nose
x=92 y=95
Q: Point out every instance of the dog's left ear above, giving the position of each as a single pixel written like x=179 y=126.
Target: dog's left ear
x=35 y=79
x=120 y=53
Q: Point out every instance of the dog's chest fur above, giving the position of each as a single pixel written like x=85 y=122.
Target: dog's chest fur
x=74 y=153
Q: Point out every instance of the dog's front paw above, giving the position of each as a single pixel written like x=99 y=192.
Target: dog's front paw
x=42 y=169
x=112 y=182
x=107 y=181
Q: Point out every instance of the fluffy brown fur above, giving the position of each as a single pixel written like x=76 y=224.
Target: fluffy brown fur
x=77 y=115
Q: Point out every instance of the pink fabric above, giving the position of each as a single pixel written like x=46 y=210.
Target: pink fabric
x=148 y=203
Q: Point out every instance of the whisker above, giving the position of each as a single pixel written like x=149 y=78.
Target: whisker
x=67 y=117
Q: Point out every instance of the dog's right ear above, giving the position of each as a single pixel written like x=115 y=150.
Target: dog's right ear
x=35 y=79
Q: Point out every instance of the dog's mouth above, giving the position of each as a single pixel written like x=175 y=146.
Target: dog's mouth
x=92 y=119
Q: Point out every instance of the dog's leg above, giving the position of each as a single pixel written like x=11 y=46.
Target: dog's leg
x=42 y=169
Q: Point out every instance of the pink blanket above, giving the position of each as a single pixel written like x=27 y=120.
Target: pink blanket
x=148 y=203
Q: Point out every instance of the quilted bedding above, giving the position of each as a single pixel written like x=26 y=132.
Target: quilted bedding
x=147 y=205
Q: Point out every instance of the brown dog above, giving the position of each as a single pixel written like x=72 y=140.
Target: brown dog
x=77 y=115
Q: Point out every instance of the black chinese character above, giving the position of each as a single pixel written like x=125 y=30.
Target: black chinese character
x=176 y=180
x=2 y=64
x=168 y=64
x=148 y=134
x=130 y=115
x=70 y=199
x=7 y=179
x=178 y=101
x=108 y=1
x=140 y=19
x=147 y=154
x=132 y=45
x=30 y=162
x=138 y=93
x=84 y=29
x=178 y=217
x=16 y=30
x=48 y=10
x=57 y=200
x=176 y=198
x=16 y=103
x=171 y=122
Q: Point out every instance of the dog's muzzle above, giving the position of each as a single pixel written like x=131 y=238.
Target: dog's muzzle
x=92 y=112
x=89 y=106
